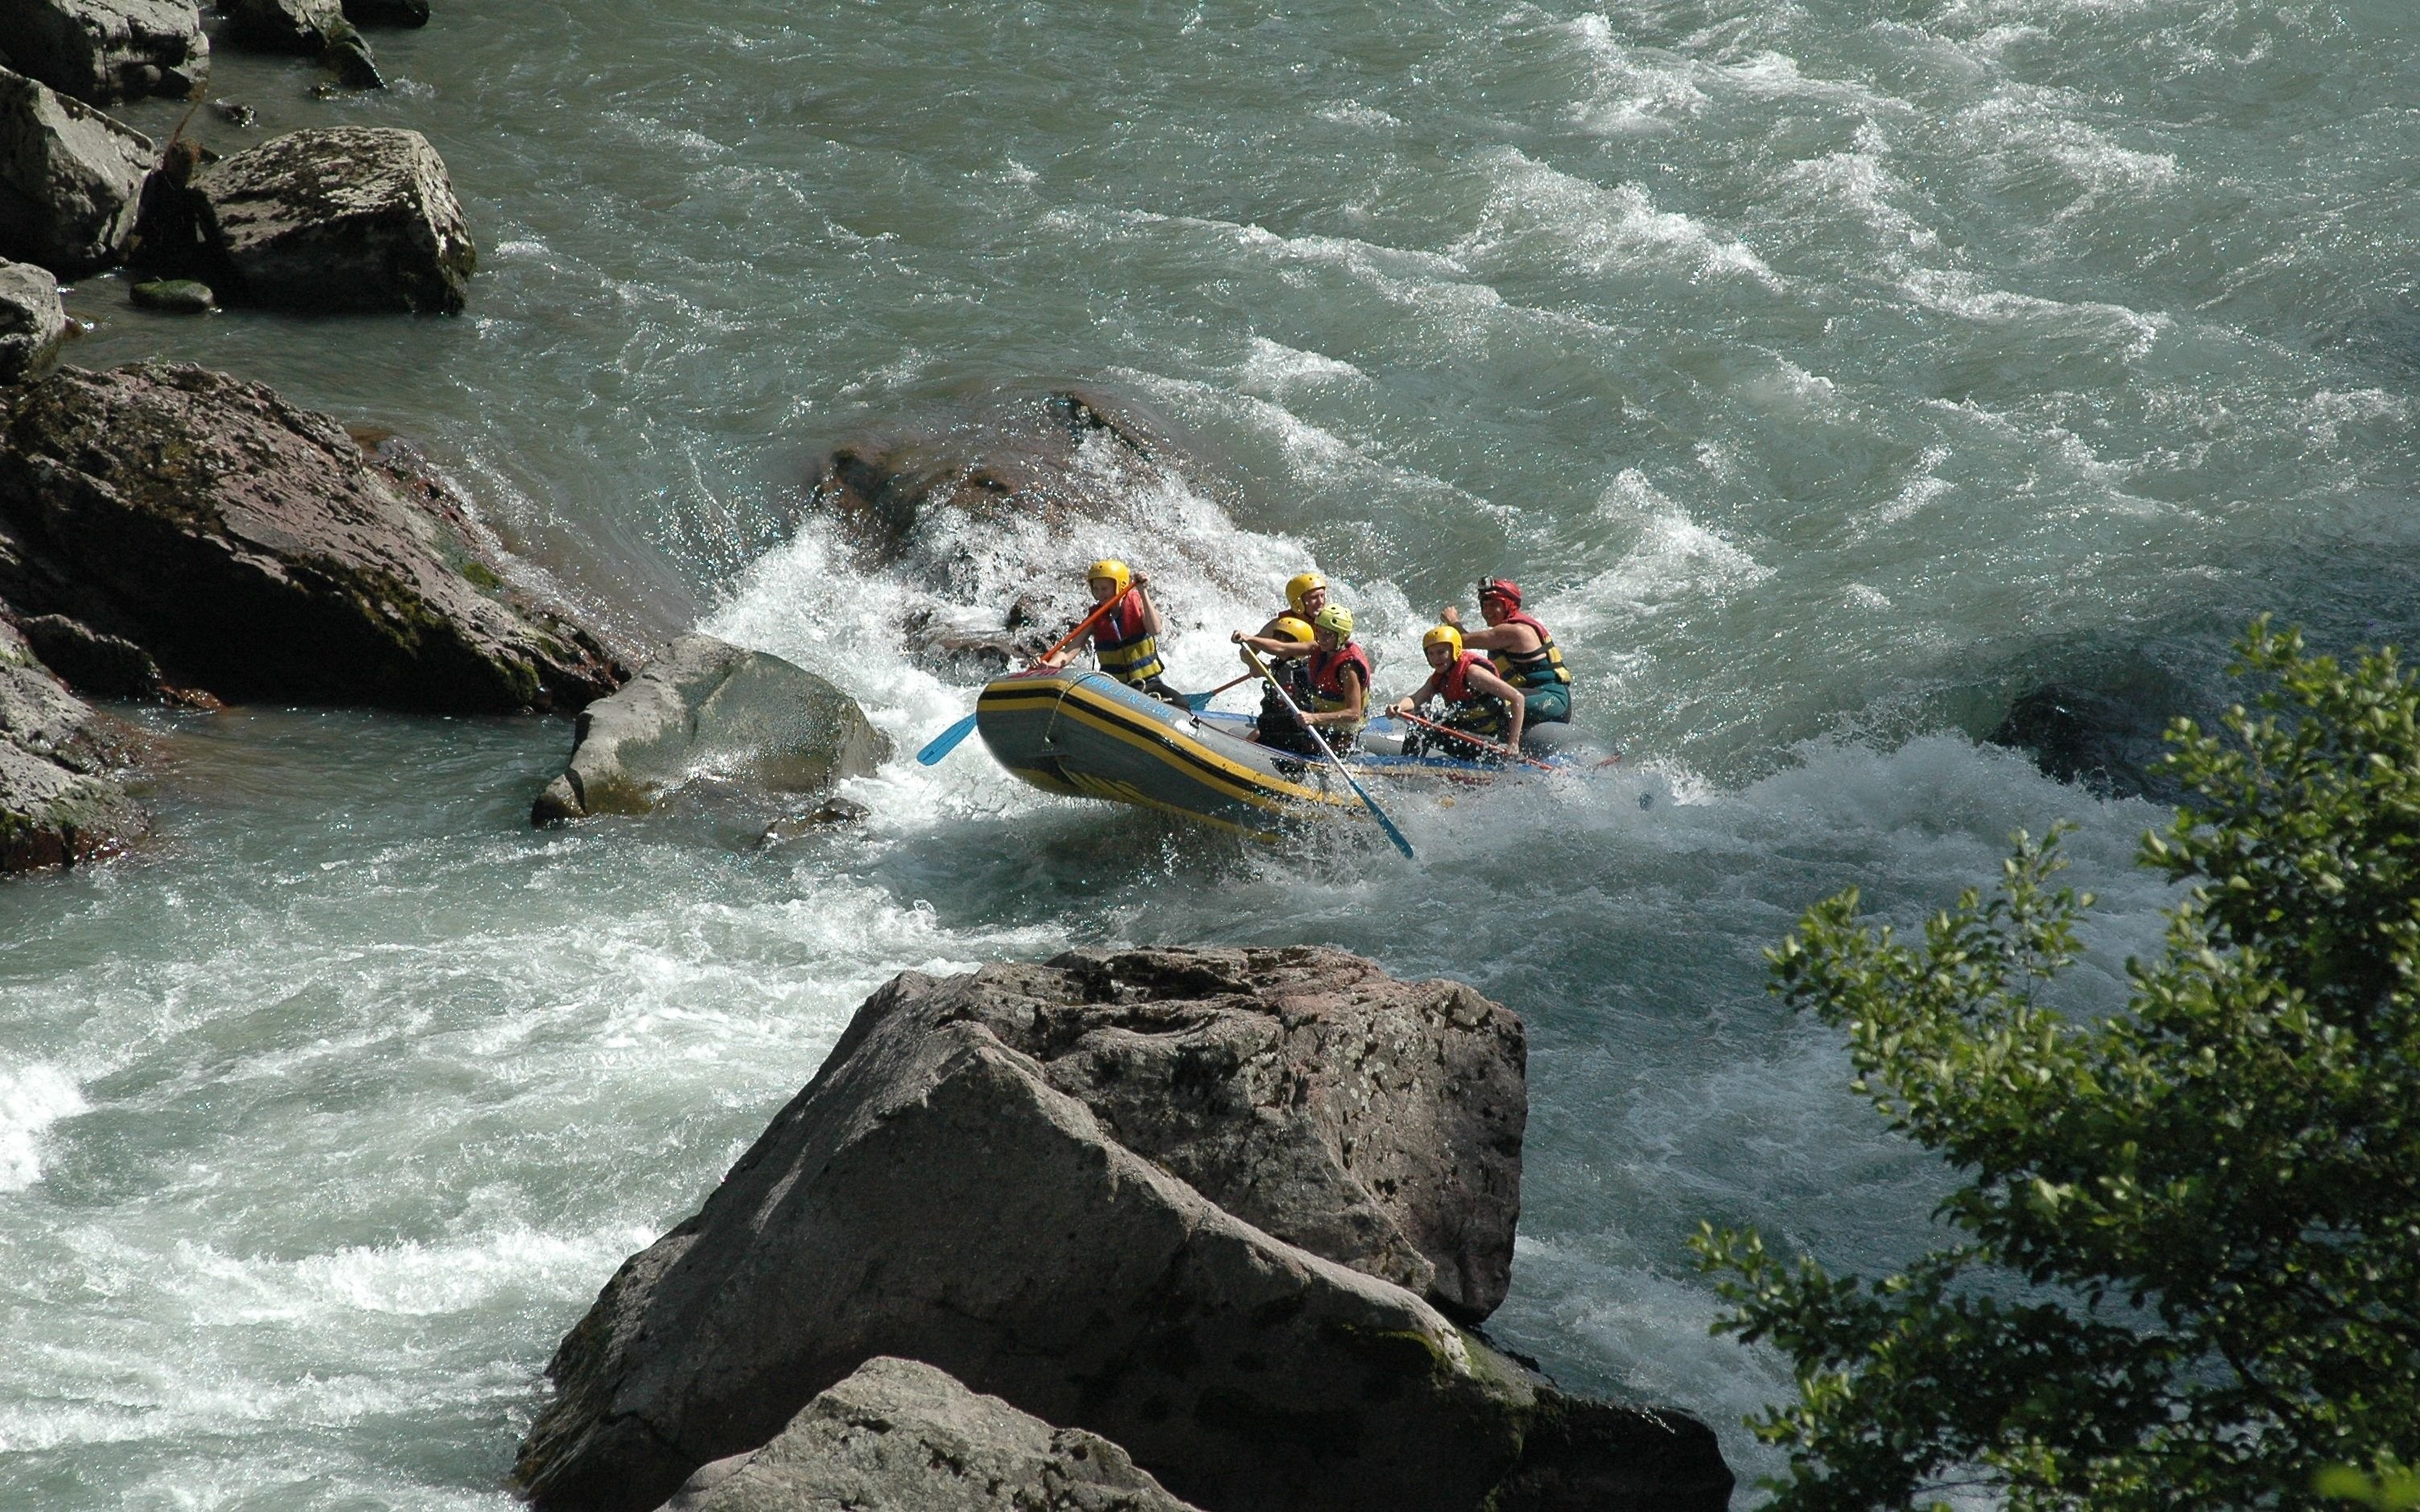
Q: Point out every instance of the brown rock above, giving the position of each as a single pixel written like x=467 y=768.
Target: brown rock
x=60 y=803
x=253 y=550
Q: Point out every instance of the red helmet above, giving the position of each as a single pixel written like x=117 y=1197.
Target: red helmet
x=1503 y=588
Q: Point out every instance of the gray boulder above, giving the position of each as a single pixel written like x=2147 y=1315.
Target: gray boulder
x=332 y=219
x=932 y=1195
x=33 y=323
x=70 y=178
x=705 y=706
x=897 y=1436
x=101 y=51
x=281 y=25
x=1374 y=1122
x=253 y=550
x=59 y=804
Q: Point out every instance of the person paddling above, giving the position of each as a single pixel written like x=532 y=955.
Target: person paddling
x=1337 y=670
x=1126 y=641
x=1520 y=650
x=1477 y=702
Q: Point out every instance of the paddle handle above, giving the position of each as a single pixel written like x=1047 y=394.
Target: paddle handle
x=1197 y=702
x=1483 y=745
x=1325 y=749
x=1077 y=633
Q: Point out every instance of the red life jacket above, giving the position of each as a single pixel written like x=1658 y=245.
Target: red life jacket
x=1328 y=692
x=1453 y=684
x=1123 y=648
x=1467 y=707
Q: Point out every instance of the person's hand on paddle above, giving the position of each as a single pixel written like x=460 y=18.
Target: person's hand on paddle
x=1450 y=615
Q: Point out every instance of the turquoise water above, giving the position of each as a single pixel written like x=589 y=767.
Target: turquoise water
x=1830 y=374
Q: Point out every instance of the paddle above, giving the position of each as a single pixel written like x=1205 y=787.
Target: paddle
x=1483 y=745
x=947 y=741
x=1359 y=791
x=1199 y=702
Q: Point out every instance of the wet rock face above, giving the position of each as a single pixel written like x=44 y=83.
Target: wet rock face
x=897 y=1436
x=70 y=178
x=1374 y=1122
x=101 y=51
x=60 y=804
x=280 y=25
x=33 y=323
x=254 y=552
x=934 y=1194
x=2111 y=743
x=333 y=219
x=387 y=12
x=706 y=705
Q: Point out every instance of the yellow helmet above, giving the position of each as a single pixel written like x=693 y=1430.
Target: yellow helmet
x=1290 y=628
x=1115 y=571
x=1301 y=584
x=1336 y=618
x=1443 y=634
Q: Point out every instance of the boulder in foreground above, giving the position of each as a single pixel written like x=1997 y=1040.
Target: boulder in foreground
x=101 y=51
x=33 y=323
x=932 y=1195
x=897 y=1436
x=59 y=803
x=704 y=705
x=70 y=178
x=255 y=552
x=343 y=217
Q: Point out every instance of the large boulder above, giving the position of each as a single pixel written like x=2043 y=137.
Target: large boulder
x=33 y=323
x=705 y=706
x=281 y=25
x=931 y=1194
x=899 y=1436
x=1374 y=1122
x=70 y=178
x=59 y=803
x=101 y=51
x=254 y=552
x=387 y=12
x=331 y=219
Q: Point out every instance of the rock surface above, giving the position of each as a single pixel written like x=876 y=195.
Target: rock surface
x=897 y=1436
x=704 y=705
x=331 y=219
x=932 y=1195
x=101 y=51
x=59 y=804
x=387 y=12
x=281 y=25
x=70 y=178
x=33 y=323
x=254 y=552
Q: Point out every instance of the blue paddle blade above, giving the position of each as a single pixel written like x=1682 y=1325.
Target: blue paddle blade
x=946 y=742
x=1379 y=815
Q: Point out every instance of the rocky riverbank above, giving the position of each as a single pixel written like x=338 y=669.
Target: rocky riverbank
x=1220 y=1208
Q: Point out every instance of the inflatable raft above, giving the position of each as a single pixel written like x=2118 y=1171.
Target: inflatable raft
x=1086 y=734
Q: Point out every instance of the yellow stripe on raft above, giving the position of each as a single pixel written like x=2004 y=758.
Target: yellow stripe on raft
x=1252 y=787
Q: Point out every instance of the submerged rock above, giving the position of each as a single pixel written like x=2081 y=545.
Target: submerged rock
x=2110 y=741
x=174 y=296
x=332 y=219
x=934 y=1194
x=33 y=323
x=897 y=1436
x=704 y=705
x=254 y=552
x=59 y=803
x=101 y=51
x=70 y=177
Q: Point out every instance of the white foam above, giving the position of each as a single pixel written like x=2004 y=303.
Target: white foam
x=31 y=1099
x=1671 y=561
x=1540 y=210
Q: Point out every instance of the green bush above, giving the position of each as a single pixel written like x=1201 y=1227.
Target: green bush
x=2186 y=1261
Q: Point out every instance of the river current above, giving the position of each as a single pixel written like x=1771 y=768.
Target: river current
x=1830 y=374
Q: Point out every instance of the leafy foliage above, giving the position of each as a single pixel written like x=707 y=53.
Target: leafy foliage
x=2187 y=1261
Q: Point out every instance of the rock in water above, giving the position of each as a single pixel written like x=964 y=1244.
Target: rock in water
x=280 y=25
x=70 y=177
x=174 y=296
x=349 y=52
x=898 y=1436
x=256 y=552
x=1374 y=1122
x=387 y=12
x=338 y=218
x=707 y=705
x=101 y=51
x=33 y=324
x=59 y=804
x=932 y=1195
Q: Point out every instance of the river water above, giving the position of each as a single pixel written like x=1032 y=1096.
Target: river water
x=1830 y=372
